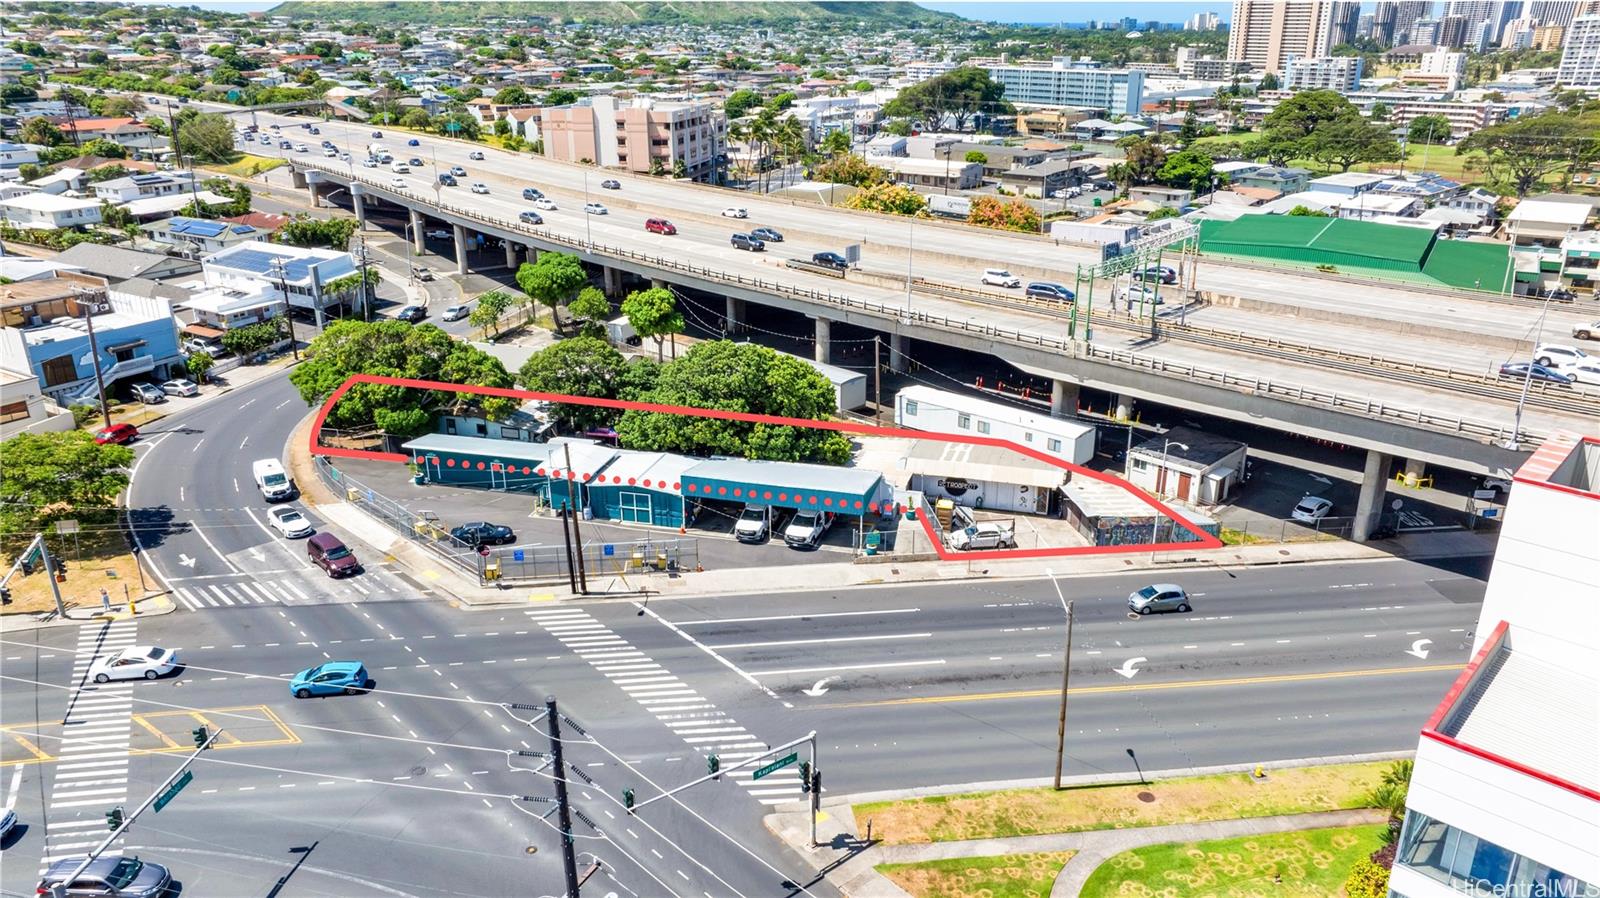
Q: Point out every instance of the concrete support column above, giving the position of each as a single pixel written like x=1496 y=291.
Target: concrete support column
x=899 y=347
x=735 y=316
x=311 y=189
x=657 y=284
x=1415 y=467
x=417 y=246
x=1374 y=488
x=511 y=255
x=461 y=248
x=1124 y=407
x=358 y=200
x=533 y=254
x=824 y=338
x=611 y=280
x=1063 y=398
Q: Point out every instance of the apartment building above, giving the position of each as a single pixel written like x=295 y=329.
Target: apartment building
x=639 y=137
x=1341 y=73
x=1505 y=794
x=1580 y=53
x=1393 y=21
x=1465 y=118
x=1064 y=81
x=923 y=70
x=1265 y=34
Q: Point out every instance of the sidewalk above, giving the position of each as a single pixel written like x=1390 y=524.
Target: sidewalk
x=216 y=385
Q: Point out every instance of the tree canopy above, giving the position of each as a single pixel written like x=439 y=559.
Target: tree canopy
x=53 y=476
x=1010 y=215
x=331 y=233
x=578 y=366
x=653 y=313
x=1522 y=152
x=553 y=280
x=208 y=137
x=958 y=94
x=894 y=199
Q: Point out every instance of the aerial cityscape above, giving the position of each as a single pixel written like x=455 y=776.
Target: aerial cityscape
x=846 y=449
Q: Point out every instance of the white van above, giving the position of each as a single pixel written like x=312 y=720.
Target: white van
x=400 y=168
x=271 y=479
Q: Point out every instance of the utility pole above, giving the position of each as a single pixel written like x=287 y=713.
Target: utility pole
x=877 y=380
x=572 y=514
x=49 y=571
x=282 y=271
x=569 y=861
x=94 y=354
x=1066 y=673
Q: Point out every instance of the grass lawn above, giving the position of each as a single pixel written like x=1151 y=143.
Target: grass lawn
x=1309 y=864
x=247 y=166
x=1021 y=812
x=1005 y=876
x=95 y=558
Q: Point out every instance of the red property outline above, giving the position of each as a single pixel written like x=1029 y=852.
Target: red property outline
x=1203 y=540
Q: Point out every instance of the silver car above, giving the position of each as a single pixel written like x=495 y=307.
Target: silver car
x=1159 y=597
x=117 y=877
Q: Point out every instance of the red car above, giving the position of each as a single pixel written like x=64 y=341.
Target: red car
x=659 y=226
x=116 y=433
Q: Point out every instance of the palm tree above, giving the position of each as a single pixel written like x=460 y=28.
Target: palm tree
x=791 y=137
x=739 y=132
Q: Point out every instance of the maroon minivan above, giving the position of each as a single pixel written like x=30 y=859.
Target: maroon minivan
x=659 y=226
x=333 y=556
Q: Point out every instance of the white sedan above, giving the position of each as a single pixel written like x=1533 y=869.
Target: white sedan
x=1311 y=509
x=735 y=212
x=133 y=663
x=544 y=203
x=289 y=522
x=181 y=387
x=479 y=187
x=596 y=209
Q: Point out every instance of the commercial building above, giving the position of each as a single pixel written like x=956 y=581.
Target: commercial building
x=1341 y=73
x=275 y=272
x=1580 y=262
x=1544 y=224
x=1188 y=465
x=939 y=411
x=1266 y=34
x=938 y=174
x=1580 y=53
x=640 y=137
x=1505 y=793
x=134 y=336
x=987 y=477
x=923 y=70
x=1393 y=21
x=1465 y=118
x=1202 y=21
x=1067 y=82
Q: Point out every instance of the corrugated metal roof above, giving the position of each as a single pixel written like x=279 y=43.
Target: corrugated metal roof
x=789 y=475
x=972 y=462
x=588 y=457
x=479 y=447
x=1538 y=714
x=658 y=471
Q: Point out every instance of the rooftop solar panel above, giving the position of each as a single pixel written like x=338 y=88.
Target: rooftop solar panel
x=260 y=261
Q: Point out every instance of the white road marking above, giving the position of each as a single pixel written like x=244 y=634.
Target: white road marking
x=747 y=620
x=878 y=666
x=825 y=640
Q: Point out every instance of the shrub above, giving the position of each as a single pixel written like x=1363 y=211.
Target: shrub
x=1367 y=880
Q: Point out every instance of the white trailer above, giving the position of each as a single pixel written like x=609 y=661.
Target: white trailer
x=924 y=408
x=1093 y=234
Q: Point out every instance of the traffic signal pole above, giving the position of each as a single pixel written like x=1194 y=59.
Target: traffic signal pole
x=59 y=890
x=569 y=861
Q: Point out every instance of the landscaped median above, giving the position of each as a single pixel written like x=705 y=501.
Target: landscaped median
x=1308 y=864
x=1024 y=812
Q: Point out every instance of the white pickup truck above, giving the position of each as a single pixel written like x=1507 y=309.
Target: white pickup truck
x=753 y=524
x=1586 y=331
x=985 y=535
x=806 y=528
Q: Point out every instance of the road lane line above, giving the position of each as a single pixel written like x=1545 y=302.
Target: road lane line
x=750 y=620
x=830 y=639
x=877 y=666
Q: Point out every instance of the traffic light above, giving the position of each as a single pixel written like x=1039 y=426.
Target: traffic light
x=816 y=782
x=627 y=799
x=5 y=595
x=713 y=764
x=805 y=776
x=201 y=734
x=114 y=818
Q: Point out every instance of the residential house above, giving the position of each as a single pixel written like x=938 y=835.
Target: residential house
x=1044 y=178
x=128 y=188
x=198 y=236
x=128 y=132
x=25 y=409
x=1283 y=180
x=15 y=154
x=117 y=264
x=46 y=211
x=935 y=173
x=1172 y=197
x=268 y=268
x=1546 y=224
x=1350 y=183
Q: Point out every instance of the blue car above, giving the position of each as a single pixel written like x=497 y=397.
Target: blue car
x=331 y=678
x=413 y=142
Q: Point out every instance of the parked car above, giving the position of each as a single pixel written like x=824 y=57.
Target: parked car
x=181 y=387
x=457 y=312
x=830 y=260
x=139 y=662
x=532 y=193
x=659 y=226
x=448 y=180
x=476 y=155
x=458 y=171
x=1555 y=355
x=735 y=212
x=412 y=314
x=329 y=553
x=121 y=433
x=480 y=187
x=107 y=875
x=530 y=217
x=767 y=234
x=1000 y=277
x=611 y=184
x=596 y=209
x=290 y=522
x=1520 y=370
x=331 y=678
x=149 y=394
x=984 y=535
x=1050 y=292
x=807 y=528
x=544 y=204
x=747 y=242
x=1311 y=509
x=753 y=524
x=1159 y=597
x=200 y=344
x=480 y=533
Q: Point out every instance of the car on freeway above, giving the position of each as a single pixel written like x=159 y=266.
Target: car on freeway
x=1050 y=291
x=369 y=162
x=285 y=144
x=1555 y=355
x=301 y=148
x=1584 y=372
x=374 y=134
x=1139 y=293
x=830 y=260
x=1000 y=277
x=480 y=187
x=397 y=183
x=413 y=142
x=1585 y=331
x=767 y=234
x=747 y=243
x=412 y=313
x=344 y=157
x=138 y=662
x=448 y=180
x=596 y=209
x=528 y=216
x=545 y=203
x=107 y=875
x=330 y=153
x=414 y=162
x=1158 y=597
x=313 y=129
x=1311 y=509
x=331 y=678
x=290 y=522
x=532 y=193
x=735 y=212
x=121 y=433
x=437 y=234
x=476 y=155
x=660 y=226
x=483 y=533
x=458 y=171
x=984 y=535
x=8 y=822
x=1521 y=370
x=149 y=394
x=611 y=184
x=457 y=312
x=1162 y=273
x=181 y=387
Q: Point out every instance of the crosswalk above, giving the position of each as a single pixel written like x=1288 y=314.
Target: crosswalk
x=670 y=700
x=246 y=590
x=91 y=776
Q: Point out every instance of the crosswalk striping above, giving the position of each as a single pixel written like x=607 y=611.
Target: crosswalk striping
x=284 y=591
x=92 y=767
x=670 y=700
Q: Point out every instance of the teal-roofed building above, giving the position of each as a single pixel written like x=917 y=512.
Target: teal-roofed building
x=851 y=491
x=642 y=488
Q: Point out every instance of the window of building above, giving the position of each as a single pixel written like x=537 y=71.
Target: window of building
x=911 y=408
x=1474 y=865
x=1140 y=464
x=510 y=433
x=483 y=429
x=964 y=422
x=14 y=411
x=1053 y=445
x=983 y=426
x=59 y=370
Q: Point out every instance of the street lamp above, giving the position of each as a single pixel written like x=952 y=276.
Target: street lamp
x=911 y=241
x=1155 y=527
x=1066 y=671
x=588 y=230
x=1527 y=380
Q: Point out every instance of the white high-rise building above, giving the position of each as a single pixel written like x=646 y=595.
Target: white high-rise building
x=1340 y=73
x=1580 y=53
x=1392 y=20
x=1265 y=34
x=1202 y=21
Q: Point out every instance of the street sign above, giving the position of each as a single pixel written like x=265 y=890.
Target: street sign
x=516 y=555
x=172 y=791
x=608 y=550
x=852 y=253
x=779 y=764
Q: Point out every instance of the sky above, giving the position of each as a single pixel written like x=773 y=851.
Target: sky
x=1078 y=12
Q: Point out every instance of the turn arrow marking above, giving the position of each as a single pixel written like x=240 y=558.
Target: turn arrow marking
x=186 y=561
x=1320 y=479
x=820 y=687
x=1130 y=667
x=1419 y=648
x=257 y=554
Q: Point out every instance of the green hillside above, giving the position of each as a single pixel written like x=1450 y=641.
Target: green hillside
x=881 y=14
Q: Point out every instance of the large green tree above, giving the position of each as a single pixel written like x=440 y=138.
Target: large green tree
x=208 y=137
x=1144 y=159
x=1428 y=129
x=1289 y=129
x=959 y=94
x=1188 y=169
x=653 y=313
x=397 y=349
x=579 y=366
x=55 y=476
x=40 y=131
x=740 y=102
x=590 y=310
x=553 y=280
x=1350 y=139
x=1523 y=152
x=329 y=233
x=486 y=314
x=742 y=377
